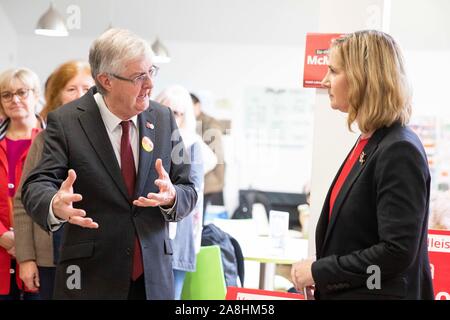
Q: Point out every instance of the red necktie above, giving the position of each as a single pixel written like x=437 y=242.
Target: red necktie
x=129 y=175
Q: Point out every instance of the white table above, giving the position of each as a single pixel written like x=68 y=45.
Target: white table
x=261 y=252
x=258 y=248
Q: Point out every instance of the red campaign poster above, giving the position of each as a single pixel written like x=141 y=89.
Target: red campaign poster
x=439 y=254
x=316 y=58
x=234 y=293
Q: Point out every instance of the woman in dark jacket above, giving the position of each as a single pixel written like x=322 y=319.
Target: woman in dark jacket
x=371 y=237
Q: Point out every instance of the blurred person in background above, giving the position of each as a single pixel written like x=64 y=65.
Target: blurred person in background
x=211 y=132
x=37 y=250
x=187 y=233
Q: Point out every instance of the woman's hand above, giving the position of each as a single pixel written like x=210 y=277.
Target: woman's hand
x=7 y=240
x=29 y=274
x=12 y=251
x=302 y=275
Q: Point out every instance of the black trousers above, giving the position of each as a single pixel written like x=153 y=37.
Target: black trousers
x=137 y=289
x=47 y=280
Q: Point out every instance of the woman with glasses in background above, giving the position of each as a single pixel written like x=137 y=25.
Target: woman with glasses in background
x=37 y=250
x=187 y=233
x=19 y=96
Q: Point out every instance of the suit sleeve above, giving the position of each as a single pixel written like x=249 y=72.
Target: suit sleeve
x=402 y=184
x=44 y=180
x=180 y=175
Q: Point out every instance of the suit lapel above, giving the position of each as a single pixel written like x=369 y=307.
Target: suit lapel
x=146 y=129
x=95 y=130
x=322 y=224
x=355 y=172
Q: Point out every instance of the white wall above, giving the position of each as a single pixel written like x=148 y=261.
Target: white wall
x=43 y=54
x=421 y=25
x=8 y=52
x=428 y=72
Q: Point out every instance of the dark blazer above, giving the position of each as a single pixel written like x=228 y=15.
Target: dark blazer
x=77 y=139
x=380 y=217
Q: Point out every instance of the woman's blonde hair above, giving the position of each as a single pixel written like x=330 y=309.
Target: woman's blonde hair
x=58 y=80
x=24 y=75
x=379 y=91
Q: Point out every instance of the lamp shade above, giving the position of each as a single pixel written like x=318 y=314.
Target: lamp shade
x=161 y=52
x=51 y=24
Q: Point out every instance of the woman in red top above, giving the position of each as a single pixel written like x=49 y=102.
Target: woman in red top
x=19 y=95
x=36 y=249
x=371 y=237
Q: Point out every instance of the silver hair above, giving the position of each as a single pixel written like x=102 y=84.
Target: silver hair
x=110 y=52
x=178 y=97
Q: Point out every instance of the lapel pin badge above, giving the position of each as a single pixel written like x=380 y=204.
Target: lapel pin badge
x=362 y=157
x=147 y=144
x=149 y=125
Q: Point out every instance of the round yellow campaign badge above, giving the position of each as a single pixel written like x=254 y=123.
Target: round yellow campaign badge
x=147 y=144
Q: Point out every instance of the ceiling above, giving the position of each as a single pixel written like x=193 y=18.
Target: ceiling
x=417 y=24
x=268 y=22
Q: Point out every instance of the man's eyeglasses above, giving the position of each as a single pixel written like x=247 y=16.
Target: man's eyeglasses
x=140 y=79
x=9 y=96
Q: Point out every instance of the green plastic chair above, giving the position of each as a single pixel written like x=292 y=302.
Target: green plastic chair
x=207 y=282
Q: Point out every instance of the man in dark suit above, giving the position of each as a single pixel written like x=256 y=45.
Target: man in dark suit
x=110 y=173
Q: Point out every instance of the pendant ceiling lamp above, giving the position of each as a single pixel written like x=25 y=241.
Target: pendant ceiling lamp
x=51 y=24
x=161 y=52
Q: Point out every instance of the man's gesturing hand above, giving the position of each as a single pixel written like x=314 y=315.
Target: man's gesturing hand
x=166 y=195
x=62 y=204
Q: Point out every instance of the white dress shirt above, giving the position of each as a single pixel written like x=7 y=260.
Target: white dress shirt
x=114 y=130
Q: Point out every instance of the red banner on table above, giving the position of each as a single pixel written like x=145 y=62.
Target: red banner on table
x=235 y=293
x=316 y=58
x=439 y=254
